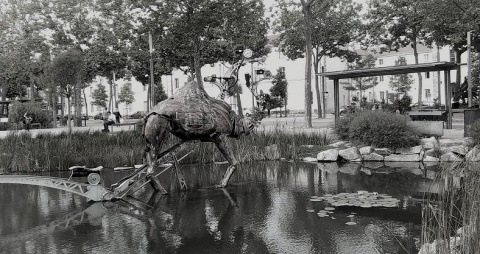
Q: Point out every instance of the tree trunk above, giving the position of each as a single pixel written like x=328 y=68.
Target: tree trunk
x=78 y=106
x=54 y=107
x=69 y=117
x=86 y=105
x=62 y=103
x=420 y=85
x=239 y=105
x=317 y=87
x=307 y=12
x=110 y=99
x=458 y=60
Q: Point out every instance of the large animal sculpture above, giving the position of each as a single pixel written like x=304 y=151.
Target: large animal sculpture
x=190 y=114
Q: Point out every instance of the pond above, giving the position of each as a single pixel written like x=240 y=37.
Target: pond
x=265 y=210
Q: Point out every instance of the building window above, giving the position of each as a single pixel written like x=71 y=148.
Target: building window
x=176 y=83
x=452 y=56
x=380 y=61
x=382 y=95
x=426 y=58
x=427 y=93
x=427 y=74
x=381 y=78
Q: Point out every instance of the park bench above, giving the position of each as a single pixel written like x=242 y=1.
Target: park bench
x=428 y=115
x=134 y=124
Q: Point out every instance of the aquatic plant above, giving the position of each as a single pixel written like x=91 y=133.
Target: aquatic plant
x=451 y=217
x=46 y=151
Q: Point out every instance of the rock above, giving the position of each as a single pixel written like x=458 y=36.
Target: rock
x=272 y=152
x=337 y=144
x=328 y=167
x=310 y=159
x=429 y=143
x=366 y=150
x=459 y=150
x=373 y=164
x=474 y=154
x=402 y=157
x=366 y=171
x=431 y=152
x=350 y=154
x=372 y=157
x=328 y=155
x=449 y=157
x=409 y=150
x=429 y=158
x=407 y=165
x=383 y=151
x=350 y=168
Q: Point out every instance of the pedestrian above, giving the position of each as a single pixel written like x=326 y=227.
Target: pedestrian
x=27 y=120
x=117 y=116
x=108 y=121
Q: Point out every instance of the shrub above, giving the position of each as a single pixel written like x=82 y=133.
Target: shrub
x=342 y=129
x=377 y=128
x=403 y=104
x=34 y=110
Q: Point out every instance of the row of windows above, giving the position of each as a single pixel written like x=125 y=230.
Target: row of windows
x=426 y=58
x=428 y=95
x=427 y=76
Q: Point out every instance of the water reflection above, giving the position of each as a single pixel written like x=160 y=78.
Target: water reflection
x=264 y=211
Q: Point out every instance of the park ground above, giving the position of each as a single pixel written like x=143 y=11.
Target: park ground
x=293 y=123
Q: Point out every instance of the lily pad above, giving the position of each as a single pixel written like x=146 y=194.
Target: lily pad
x=351 y=223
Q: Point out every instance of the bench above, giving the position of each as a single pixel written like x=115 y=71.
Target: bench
x=428 y=115
x=134 y=124
x=35 y=126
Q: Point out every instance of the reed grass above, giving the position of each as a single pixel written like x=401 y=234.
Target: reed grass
x=57 y=152
x=451 y=218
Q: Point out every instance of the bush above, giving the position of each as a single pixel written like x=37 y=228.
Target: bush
x=377 y=128
x=403 y=105
x=34 y=110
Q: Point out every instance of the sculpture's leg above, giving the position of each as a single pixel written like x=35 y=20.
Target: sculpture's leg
x=181 y=179
x=154 y=132
x=227 y=152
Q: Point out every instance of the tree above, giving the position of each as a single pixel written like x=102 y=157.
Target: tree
x=364 y=83
x=126 y=94
x=160 y=94
x=397 y=24
x=279 y=88
x=67 y=71
x=100 y=96
x=402 y=82
x=335 y=25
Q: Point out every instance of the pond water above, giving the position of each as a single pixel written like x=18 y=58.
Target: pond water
x=263 y=211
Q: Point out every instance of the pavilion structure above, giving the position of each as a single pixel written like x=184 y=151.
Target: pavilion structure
x=446 y=67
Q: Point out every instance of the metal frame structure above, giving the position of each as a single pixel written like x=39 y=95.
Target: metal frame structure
x=446 y=67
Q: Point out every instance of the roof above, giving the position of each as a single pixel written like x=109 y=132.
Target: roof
x=390 y=70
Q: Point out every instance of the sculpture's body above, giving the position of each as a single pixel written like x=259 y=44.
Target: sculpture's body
x=190 y=114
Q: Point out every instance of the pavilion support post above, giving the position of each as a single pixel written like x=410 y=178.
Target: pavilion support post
x=336 y=100
x=448 y=98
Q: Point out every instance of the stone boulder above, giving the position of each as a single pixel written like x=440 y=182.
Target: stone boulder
x=383 y=151
x=409 y=150
x=350 y=154
x=474 y=154
x=459 y=150
x=449 y=157
x=429 y=158
x=402 y=157
x=310 y=159
x=328 y=155
x=372 y=157
x=366 y=150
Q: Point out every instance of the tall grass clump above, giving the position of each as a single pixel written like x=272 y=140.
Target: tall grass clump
x=474 y=132
x=46 y=152
x=451 y=219
x=377 y=128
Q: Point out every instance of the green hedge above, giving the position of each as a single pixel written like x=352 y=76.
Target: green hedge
x=377 y=128
x=33 y=109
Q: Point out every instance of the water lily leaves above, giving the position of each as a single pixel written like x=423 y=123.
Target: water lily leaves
x=351 y=223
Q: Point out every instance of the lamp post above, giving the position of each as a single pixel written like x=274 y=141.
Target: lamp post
x=152 y=89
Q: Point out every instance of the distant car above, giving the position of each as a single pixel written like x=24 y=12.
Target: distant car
x=138 y=114
x=98 y=116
